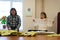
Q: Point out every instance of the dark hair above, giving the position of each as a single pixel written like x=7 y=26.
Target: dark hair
x=44 y=14
x=13 y=9
x=58 y=12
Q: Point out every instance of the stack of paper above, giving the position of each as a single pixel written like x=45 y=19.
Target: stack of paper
x=53 y=35
x=6 y=32
x=44 y=33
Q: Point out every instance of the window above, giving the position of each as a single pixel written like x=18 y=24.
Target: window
x=5 y=7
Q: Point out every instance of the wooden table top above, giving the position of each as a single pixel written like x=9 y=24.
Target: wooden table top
x=37 y=37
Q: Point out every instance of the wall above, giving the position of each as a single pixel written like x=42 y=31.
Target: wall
x=38 y=7
x=27 y=20
x=52 y=7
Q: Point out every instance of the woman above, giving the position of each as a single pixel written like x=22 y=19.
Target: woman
x=13 y=20
x=42 y=22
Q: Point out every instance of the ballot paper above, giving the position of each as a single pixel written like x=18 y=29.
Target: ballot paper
x=32 y=33
x=6 y=32
x=53 y=35
x=45 y=33
x=15 y=33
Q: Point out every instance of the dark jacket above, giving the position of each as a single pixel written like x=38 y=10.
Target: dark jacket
x=14 y=22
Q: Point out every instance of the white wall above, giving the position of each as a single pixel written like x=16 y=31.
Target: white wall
x=52 y=7
x=27 y=21
x=38 y=7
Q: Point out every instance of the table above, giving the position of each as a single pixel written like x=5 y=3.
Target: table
x=37 y=37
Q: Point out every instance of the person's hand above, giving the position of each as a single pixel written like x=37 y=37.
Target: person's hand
x=53 y=22
x=3 y=17
x=33 y=20
x=17 y=29
x=9 y=28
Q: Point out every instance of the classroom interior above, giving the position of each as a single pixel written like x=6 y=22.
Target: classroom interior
x=29 y=10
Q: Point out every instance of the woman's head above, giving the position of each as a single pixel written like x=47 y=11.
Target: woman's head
x=43 y=15
x=13 y=11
